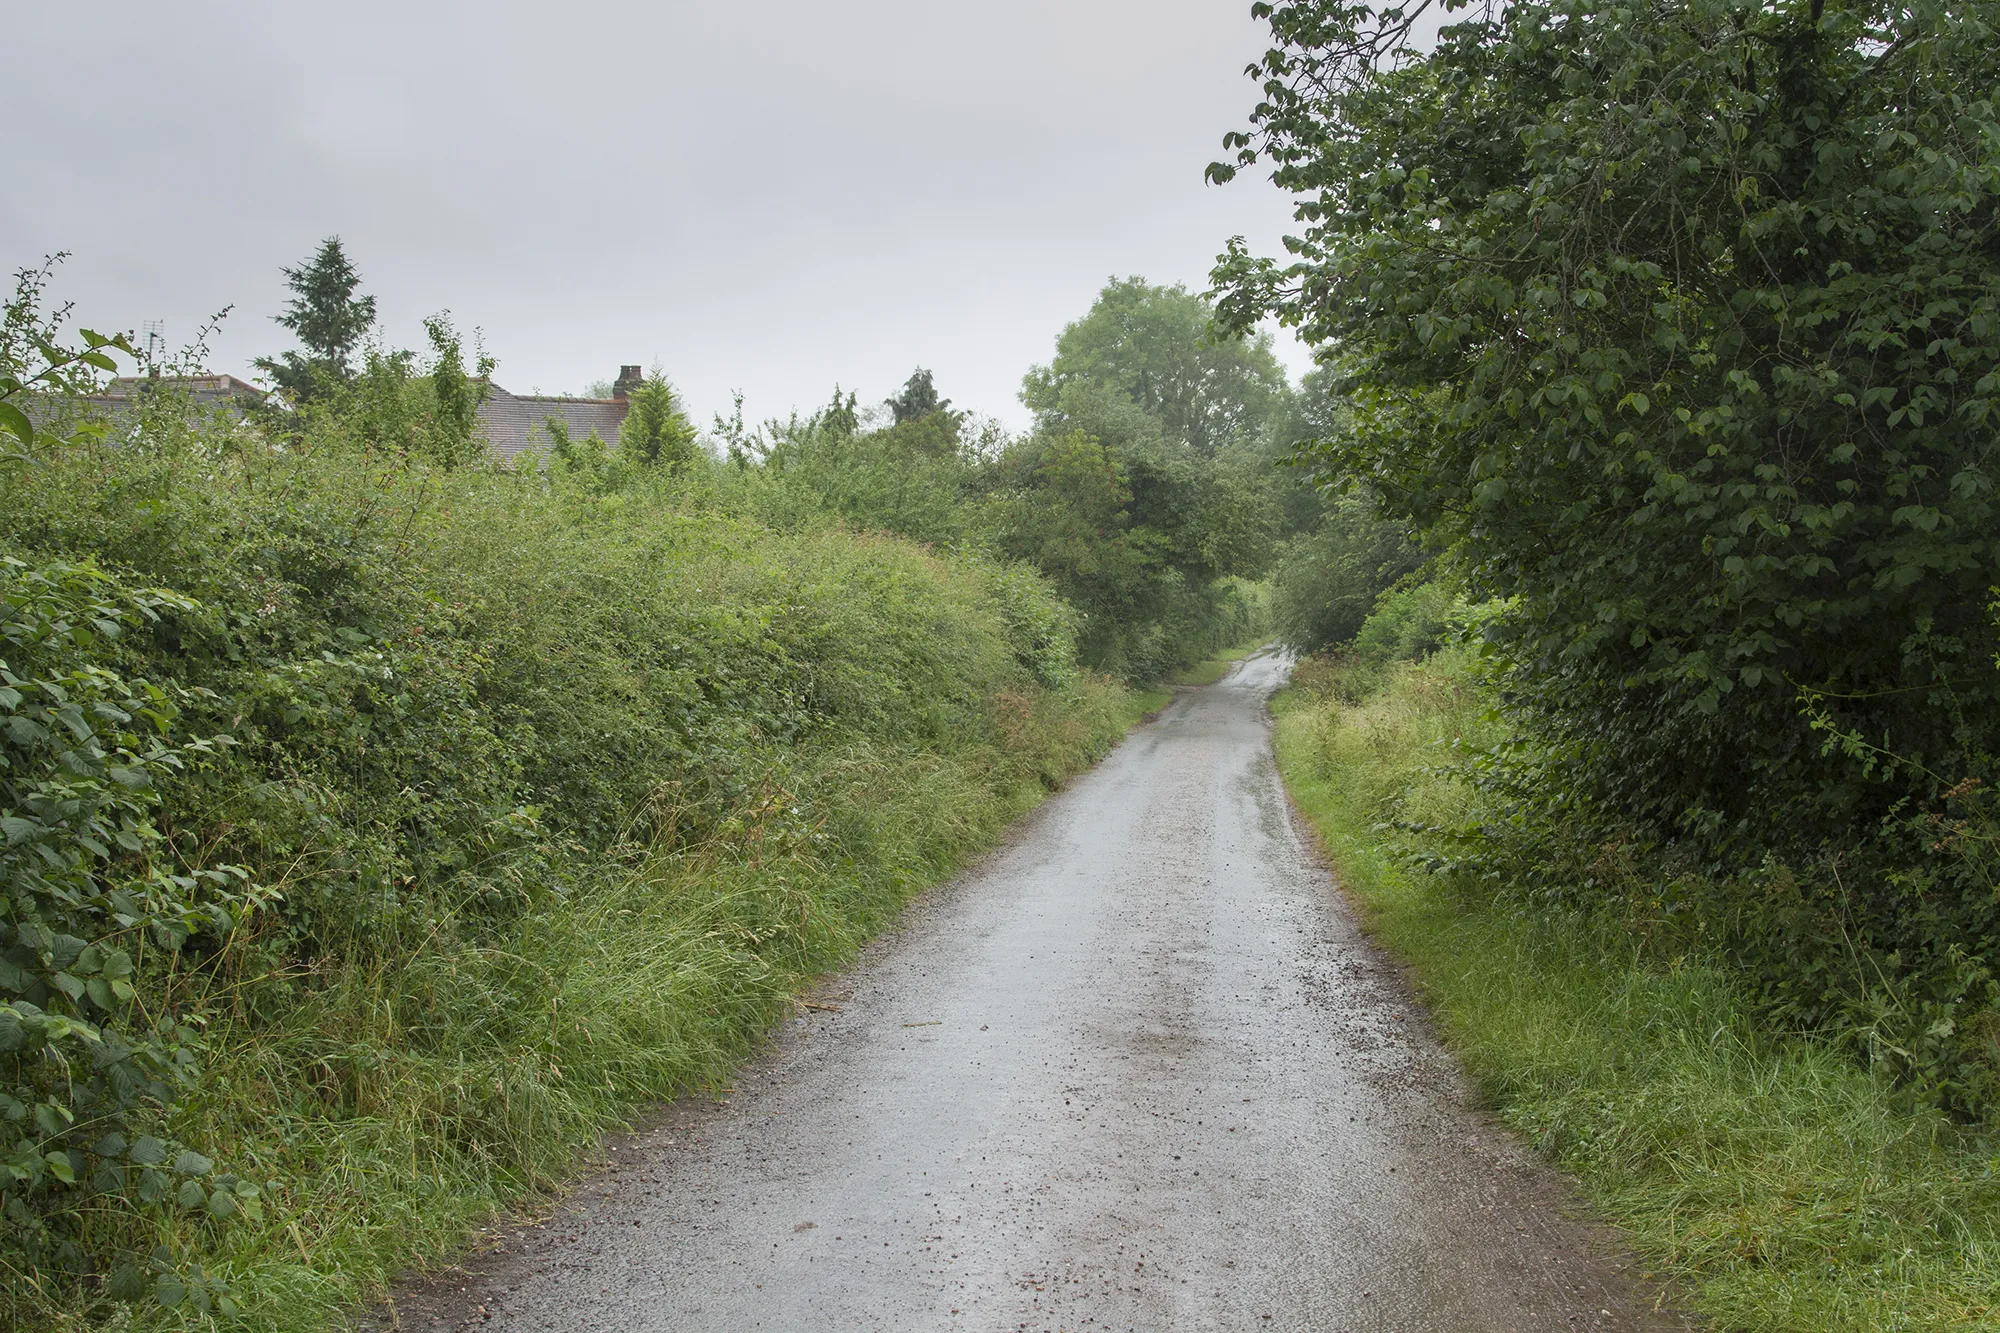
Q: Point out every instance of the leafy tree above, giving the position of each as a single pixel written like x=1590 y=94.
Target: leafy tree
x=657 y=429
x=1181 y=419
x=1067 y=514
x=400 y=403
x=1155 y=346
x=1681 y=321
x=840 y=417
x=1327 y=580
x=329 y=319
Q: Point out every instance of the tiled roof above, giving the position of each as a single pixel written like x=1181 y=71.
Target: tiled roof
x=514 y=423
x=205 y=389
x=116 y=400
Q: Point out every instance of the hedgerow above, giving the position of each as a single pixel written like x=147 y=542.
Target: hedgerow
x=1676 y=325
x=381 y=825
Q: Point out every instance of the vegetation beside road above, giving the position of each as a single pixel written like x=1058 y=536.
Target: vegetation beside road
x=382 y=825
x=536 y=804
x=1668 y=333
x=1773 y=1183
x=1657 y=718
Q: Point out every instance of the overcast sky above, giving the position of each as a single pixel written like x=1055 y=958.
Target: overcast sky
x=766 y=198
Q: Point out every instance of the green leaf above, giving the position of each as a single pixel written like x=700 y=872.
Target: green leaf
x=169 y=1290
x=148 y=1151
x=127 y=1283
x=15 y=422
x=191 y=1194
x=192 y=1163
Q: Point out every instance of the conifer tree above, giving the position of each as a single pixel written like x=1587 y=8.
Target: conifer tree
x=329 y=319
x=657 y=429
x=918 y=399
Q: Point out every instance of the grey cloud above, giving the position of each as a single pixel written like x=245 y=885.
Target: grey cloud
x=768 y=198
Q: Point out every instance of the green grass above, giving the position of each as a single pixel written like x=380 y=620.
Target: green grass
x=1215 y=668
x=1771 y=1182
x=387 y=1148
x=646 y=770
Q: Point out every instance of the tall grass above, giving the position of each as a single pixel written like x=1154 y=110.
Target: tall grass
x=1774 y=1183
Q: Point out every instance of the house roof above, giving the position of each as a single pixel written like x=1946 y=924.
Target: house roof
x=516 y=422
x=204 y=389
x=117 y=399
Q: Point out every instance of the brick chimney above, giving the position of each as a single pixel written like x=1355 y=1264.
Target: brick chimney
x=629 y=378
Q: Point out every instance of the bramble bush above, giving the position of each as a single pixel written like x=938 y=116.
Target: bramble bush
x=382 y=825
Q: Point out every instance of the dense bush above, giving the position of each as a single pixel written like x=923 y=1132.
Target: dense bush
x=1677 y=323
x=1326 y=579
x=380 y=825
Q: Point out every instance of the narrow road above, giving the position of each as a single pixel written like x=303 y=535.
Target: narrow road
x=1138 y=1070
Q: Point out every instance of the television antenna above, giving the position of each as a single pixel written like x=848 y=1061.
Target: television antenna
x=155 y=342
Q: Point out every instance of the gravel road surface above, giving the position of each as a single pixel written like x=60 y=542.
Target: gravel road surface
x=1138 y=1070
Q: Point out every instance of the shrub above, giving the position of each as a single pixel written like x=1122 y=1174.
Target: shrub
x=338 y=766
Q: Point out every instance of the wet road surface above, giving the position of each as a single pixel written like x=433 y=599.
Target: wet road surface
x=1137 y=1071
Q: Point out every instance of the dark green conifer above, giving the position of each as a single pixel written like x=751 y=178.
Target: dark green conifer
x=329 y=319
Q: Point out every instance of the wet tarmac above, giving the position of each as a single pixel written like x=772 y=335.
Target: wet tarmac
x=1138 y=1070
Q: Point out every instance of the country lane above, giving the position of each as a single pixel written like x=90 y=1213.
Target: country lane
x=1137 y=1070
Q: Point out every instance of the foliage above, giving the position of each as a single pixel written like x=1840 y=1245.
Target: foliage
x=1774 y=1184
x=657 y=431
x=1141 y=532
x=1678 y=323
x=917 y=479
x=91 y=905
x=918 y=400
x=1139 y=541
x=1148 y=483
x=341 y=768
x=1409 y=624
x=1155 y=347
x=36 y=369
x=424 y=409
x=1327 y=579
x=329 y=319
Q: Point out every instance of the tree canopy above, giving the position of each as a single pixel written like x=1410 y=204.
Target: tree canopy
x=918 y=399
x=657 y=428
x=1680 y=321
x=1155 y=348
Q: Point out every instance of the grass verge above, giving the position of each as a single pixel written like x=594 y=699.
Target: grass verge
x=1774 y=1183
x=652 y=985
